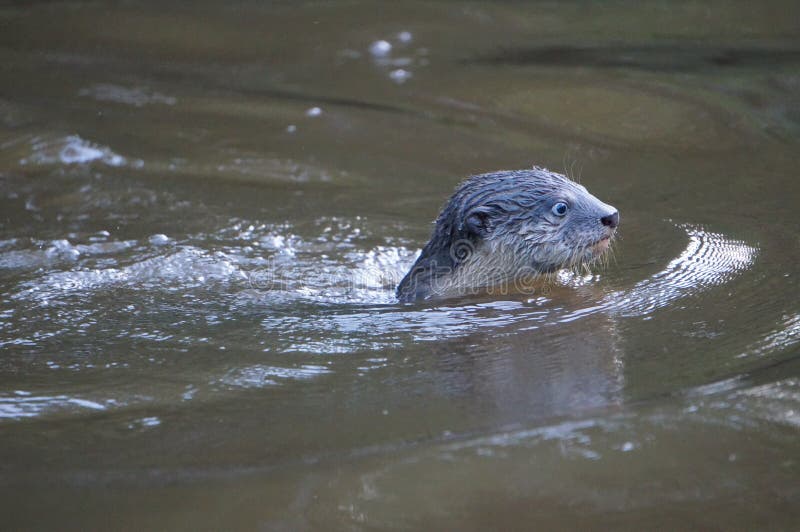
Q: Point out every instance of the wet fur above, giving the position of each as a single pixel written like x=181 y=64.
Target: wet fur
x=497 y=231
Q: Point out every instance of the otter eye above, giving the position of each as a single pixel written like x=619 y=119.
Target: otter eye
x=559 y=209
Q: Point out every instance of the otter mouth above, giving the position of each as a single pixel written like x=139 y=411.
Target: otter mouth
x=600 y=247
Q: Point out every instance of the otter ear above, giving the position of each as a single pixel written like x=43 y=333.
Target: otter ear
x=479 y=221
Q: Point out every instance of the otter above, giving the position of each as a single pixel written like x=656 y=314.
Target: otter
x=501 y=230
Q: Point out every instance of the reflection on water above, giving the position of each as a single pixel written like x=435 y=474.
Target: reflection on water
x=781 y=339
x=204 y=212
x=22 y=404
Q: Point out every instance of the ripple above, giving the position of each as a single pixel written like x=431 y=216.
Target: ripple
x=135 y=96
x=777 y=402
x=327 y=294
x=710 y=259
x=25 y=405
x=260 y=376
x=778 y=340
x=265 y=169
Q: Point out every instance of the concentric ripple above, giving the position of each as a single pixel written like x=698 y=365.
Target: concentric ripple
x=709 y=259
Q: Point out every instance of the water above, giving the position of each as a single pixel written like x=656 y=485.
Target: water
x=204 y=210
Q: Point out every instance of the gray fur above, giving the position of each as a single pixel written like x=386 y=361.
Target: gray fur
x=499 y=228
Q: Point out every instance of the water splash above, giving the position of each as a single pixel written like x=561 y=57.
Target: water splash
x=708 y=260
x=72 y=149
x=328 y=294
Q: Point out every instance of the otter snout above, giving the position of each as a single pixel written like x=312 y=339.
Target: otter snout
x=611 y=220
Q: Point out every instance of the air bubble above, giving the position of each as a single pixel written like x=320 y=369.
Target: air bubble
x=380 y=48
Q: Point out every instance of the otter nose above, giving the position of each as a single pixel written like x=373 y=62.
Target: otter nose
x=612 y=220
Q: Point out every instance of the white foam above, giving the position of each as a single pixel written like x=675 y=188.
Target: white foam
x=70 y=150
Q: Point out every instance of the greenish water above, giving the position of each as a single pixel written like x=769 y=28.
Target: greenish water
x=204 y=209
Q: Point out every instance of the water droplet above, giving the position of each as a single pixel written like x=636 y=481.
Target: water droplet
x=400 y=75
x=405 y=36
x=380 y=48
x=159 y=239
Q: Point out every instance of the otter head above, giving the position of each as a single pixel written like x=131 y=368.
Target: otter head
x=503 y=227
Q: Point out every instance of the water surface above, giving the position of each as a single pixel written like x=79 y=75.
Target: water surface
x=204 y=210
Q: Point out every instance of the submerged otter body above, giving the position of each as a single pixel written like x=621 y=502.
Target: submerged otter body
x=501 y=230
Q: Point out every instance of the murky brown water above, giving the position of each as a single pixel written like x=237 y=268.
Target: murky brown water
x=204 y=209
